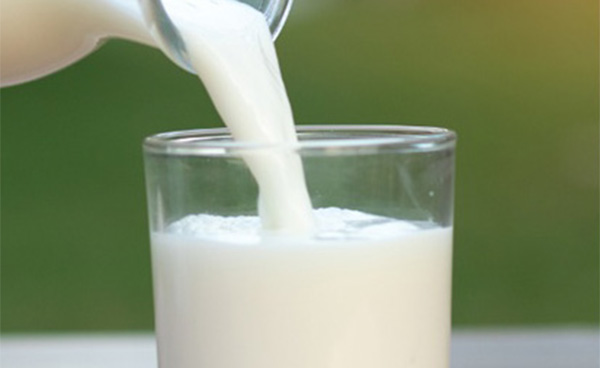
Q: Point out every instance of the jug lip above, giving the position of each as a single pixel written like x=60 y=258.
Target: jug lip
x=173 y=45
x=277 y=26
x=313 y=139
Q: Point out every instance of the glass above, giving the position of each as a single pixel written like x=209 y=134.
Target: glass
x=376 y=298
x=165 y=32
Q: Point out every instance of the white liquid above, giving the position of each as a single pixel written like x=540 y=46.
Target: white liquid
x=229 y=45
x=378 y=297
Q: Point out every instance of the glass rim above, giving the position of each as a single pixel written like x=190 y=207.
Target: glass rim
x=218 y=141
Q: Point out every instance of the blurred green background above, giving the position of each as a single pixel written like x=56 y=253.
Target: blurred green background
x=517 y=79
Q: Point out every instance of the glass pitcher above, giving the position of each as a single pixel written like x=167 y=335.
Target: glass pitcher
x=40 y=37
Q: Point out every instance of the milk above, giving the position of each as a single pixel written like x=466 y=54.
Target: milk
x=376 y=297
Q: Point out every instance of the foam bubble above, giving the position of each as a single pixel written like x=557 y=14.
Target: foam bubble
x=332 y=224
x=233 y=228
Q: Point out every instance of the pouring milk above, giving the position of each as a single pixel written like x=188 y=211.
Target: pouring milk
x=374 y=293
x=229 y=46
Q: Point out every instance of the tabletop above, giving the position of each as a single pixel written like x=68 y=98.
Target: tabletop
x=503 y=348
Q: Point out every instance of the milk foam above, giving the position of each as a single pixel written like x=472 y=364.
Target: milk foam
x=332 y=224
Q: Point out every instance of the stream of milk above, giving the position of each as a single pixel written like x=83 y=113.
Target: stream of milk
x=230 y=47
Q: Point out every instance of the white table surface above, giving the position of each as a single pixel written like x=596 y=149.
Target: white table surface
x=506 y=348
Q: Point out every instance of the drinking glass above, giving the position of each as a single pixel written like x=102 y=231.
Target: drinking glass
x=373 y=292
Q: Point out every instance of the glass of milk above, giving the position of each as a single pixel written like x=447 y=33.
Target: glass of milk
x=368 y=286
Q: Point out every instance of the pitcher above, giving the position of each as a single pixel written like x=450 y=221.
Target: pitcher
x=39 y=37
